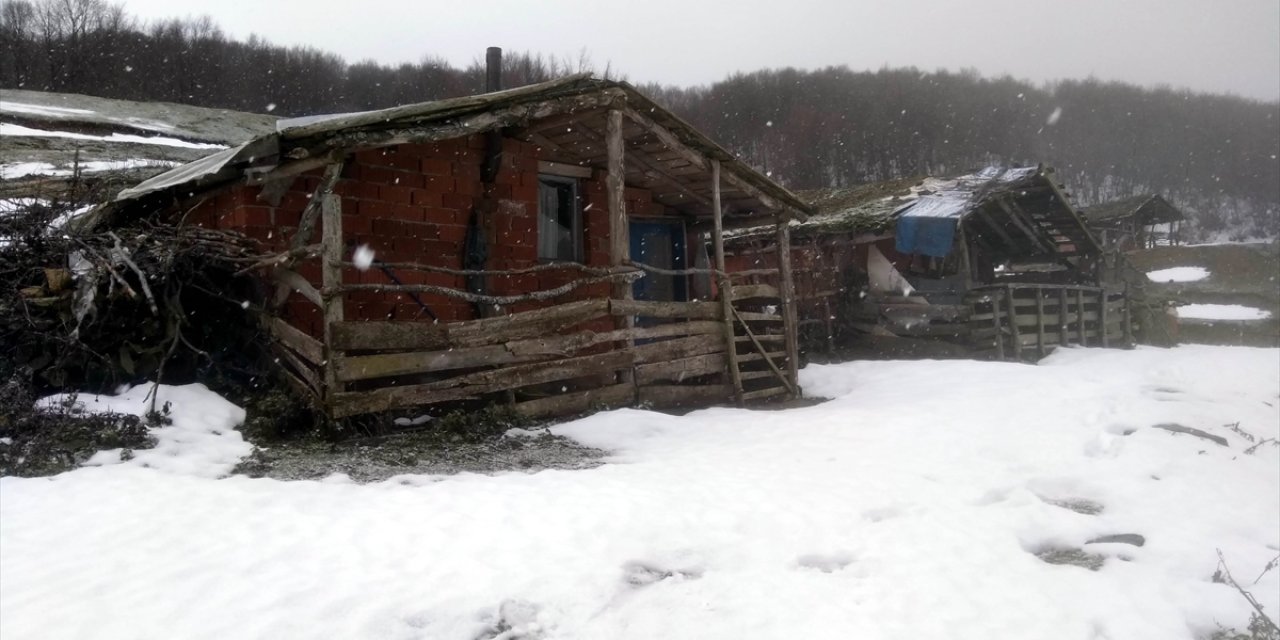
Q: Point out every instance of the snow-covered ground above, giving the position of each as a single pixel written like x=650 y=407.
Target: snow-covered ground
x=1221 y=312
x=10 y=171
x=1178 y=274
x=909 y=506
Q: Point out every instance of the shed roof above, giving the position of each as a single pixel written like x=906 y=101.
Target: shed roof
x=1148 y=208
x=1020 y=206
x=566 y=118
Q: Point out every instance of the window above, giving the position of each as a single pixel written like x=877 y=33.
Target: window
x=559 y=219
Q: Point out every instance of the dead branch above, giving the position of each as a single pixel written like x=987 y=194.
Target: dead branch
x=1224 y=574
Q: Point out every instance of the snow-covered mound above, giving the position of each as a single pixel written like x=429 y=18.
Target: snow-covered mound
x=1178 y=274
x=921 y=502
x=1221 y=312
x=200 y=439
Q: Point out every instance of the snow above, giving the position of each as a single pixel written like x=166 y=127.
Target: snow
x=908 y=506
x=202 y=440
x=22 y=169
x=1221 y=312
x=42 y=110
x=363 y=257
x=7 y=129
x=1178 y=274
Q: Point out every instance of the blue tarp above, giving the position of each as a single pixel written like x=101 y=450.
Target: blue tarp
x=926 y=235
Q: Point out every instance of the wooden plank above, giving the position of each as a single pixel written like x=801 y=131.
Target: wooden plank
x=527 y=324
x=754 y=291
x=313 y=210
x=676 y=395
x=1064 y=338
x=564 y=170
x=763 y=393
x=1080 y=328
x=753 y=316
x=995 y=323
x=385 y=365
x=296 y=339
x=387 y=336
x=567 y=404
x=678 y=348
x=1128 y=318
x=295 y=281
x=619 y=231
x=681 y=369
x=788 y=303
x=1102 y=318
x=1040 y=344
x=658 y=309
x=299 y=368
x=722 y=281
x=472 y=385
x=331 y=279
x=561 y=345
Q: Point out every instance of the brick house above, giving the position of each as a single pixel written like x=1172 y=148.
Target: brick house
x=542 y=246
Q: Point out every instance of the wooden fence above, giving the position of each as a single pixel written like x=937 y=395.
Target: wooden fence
x=1022 y=321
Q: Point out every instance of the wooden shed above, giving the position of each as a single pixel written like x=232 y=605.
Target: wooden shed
x=541 y=246
x=998 y=263
x=1131 y=223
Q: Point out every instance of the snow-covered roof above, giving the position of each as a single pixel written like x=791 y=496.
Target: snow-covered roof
x=312 y=136
x=872 y=208
x=1149 y=209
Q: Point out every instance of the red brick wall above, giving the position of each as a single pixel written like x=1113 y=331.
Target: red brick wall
x=412 y=203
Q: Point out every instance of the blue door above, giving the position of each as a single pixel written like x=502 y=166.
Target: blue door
x=659 y=244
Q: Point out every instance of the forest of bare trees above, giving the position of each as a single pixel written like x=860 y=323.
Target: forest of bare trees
x=1214 y=155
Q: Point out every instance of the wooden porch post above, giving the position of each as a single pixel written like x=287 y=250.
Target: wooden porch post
x=722 y=283
x=331 y=283
x=619 y=229
x=786 y=290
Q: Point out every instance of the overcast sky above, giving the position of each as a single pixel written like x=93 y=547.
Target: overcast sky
x=1220 y=46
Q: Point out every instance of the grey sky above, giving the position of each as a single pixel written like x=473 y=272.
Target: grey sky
x=1224 y=46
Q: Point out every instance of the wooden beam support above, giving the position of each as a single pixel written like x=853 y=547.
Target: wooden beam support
x=1014 y=332
x=331 y=274
x=1017 y=218
x=786 y=289
x=307 y=225
x=726 y=296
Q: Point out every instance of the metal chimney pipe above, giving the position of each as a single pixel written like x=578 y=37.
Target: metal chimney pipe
x=493 y=69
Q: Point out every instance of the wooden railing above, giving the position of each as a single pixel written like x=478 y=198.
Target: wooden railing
x=1018 y=321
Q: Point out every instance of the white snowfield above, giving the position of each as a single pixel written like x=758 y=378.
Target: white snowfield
x=1178 y=274
x=908 y=507
x=14 y=170
x=1221 y=312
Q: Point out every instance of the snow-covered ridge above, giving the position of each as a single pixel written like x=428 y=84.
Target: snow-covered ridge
x=19 y=130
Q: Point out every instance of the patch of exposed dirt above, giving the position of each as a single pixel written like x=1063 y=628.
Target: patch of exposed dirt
x=419 y=453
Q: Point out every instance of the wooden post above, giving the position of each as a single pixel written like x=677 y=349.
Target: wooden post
x=1102 y=317
x=787 y=290
x=1128 y=318
x=331 y=284
x=995 y=322
x=1080 y=324
x=619 y=229
x=1040 y=321
x=1064 y=336
x=722 y=283
x=1015 y=335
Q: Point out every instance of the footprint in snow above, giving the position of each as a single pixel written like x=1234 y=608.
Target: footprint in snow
x=826 y=563
x=639 y=573
x=882 y=513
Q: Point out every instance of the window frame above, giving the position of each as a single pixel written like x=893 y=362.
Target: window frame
x=575 y=201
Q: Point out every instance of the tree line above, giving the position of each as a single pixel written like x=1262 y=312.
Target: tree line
x=1214 y=155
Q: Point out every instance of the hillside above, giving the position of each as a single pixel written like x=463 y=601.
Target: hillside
x=48 y=138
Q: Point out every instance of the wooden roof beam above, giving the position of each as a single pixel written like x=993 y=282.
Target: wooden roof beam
x=1025 y=225
x=698 y=160
x=654 y=172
